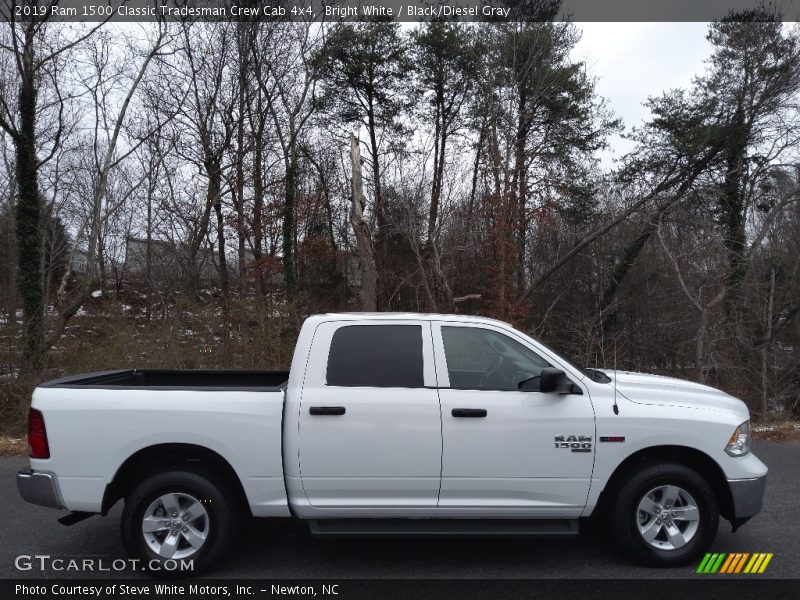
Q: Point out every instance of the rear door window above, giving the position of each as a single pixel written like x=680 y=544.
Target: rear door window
x=376 y=356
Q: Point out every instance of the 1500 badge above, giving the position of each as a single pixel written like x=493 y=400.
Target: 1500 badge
x=576 y=443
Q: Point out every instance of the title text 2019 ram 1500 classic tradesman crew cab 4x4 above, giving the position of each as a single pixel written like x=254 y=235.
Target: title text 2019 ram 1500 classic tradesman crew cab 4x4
x=396 y=423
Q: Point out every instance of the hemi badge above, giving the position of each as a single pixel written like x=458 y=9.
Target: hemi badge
x=612 y=438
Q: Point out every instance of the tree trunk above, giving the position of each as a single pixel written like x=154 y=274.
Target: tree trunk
x=27 y=215
x=224 y=278
x=376 y=174
x=733 y=208
x=148 y=281
x=10 y=282
x=258 y=206
x=380 y=216
x=366 y=249
x=439 y=145
x=439 y=284
x=476 y=169
x=101 y=261
x=240 y=227
x=519 y=187
x=765 y=346
x=212 y=193
x=288 y=217
x=699 y=351
x=328 y=213
x=243 y=50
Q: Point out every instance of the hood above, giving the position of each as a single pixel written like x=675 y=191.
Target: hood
x=670 y=391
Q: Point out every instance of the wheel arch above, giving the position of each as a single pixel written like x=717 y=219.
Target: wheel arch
x=139 y=466
x=692 y=458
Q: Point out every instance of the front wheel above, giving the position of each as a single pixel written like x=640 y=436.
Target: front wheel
x=665 y=515
x=178 y=523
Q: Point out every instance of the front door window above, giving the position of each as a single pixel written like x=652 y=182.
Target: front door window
x=482 y=359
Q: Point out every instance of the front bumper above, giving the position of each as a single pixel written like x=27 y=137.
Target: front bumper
x=748 y=498
x=39 y=488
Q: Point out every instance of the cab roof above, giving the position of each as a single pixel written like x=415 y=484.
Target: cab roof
x=390 y=316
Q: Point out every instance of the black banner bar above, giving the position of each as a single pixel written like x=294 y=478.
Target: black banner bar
x=739 y=587
x=397 y=10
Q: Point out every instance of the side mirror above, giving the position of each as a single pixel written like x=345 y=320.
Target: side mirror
x=554 y=381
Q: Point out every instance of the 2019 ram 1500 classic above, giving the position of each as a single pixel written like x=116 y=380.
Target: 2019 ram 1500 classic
x=396 y=424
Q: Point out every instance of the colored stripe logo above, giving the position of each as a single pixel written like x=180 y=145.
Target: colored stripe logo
x=734 y=562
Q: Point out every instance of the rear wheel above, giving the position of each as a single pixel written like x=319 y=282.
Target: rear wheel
x=665 y=515
x=179 y=523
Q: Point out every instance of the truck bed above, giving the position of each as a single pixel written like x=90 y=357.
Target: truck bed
x=176 y=379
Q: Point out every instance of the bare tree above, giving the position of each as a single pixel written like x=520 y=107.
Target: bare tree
x=282 y=51
x=366 y=248
x=38 y=57
x=106 y=156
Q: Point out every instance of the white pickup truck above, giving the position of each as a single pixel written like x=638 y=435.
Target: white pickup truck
x=396 y=424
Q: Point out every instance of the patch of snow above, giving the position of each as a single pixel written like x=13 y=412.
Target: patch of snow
x=97 y=293
x=81 y=312
x=764 y=428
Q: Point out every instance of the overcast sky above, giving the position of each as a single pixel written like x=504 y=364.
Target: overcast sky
x=632 y=61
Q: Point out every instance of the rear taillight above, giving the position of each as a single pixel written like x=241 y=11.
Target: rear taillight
x=37 y=435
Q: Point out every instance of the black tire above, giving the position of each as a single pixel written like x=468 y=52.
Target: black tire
x=625 y=514
x=217 y=500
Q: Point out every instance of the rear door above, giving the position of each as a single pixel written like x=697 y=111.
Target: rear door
x=370 y=424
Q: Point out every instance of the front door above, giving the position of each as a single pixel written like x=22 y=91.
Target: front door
x=500 y=454
x=370 y=427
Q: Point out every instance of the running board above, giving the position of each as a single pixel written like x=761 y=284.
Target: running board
x=444 y=527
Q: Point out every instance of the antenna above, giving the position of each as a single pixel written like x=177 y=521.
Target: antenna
x=616 y=407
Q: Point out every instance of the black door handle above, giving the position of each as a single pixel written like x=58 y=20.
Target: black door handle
x=326 y=410
x=469 y=412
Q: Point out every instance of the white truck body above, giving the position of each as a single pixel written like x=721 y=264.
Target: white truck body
x=396 y=451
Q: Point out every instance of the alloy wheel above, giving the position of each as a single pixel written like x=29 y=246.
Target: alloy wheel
x=668 y=517
x=175 y=525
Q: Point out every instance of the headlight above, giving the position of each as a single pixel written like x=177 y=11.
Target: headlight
x=739 y=444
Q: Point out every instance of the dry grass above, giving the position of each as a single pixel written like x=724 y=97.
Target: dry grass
x=15 y=399
x=191 y=336
x=13 y=446
x=783 y=431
